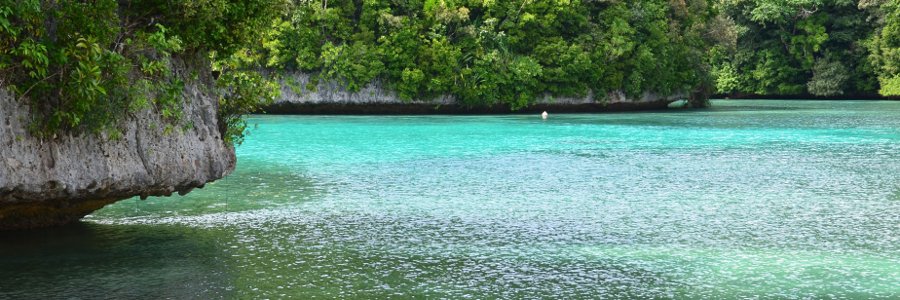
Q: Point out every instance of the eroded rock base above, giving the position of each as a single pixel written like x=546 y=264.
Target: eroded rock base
x=43 y=214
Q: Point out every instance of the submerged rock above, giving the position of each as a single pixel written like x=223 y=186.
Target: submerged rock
x=46 y=182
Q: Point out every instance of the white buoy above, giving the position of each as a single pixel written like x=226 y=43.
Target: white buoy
x=544 y=115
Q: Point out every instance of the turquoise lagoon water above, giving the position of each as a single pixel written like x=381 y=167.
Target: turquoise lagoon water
x=749 y=199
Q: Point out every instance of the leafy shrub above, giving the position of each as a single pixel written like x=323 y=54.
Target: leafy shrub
x=86 y=65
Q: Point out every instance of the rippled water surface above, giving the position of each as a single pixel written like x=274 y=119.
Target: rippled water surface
x=771 y=199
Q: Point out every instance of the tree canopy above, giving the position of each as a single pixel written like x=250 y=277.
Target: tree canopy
x=808 y=47
x=499 y=52
x=86 y=64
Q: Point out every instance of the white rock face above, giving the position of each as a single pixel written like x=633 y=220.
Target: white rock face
x=294 y=91
x=56 y=181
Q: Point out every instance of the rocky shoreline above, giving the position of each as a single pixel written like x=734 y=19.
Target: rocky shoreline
x=300 y=97
x=48 y=182
x=286 y=108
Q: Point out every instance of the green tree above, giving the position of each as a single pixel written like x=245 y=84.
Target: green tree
x=84 y=65
x=884 y=45
x=801 y=47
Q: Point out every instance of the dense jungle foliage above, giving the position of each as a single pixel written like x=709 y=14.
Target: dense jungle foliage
x=86 y=64
x=512 y=52
x=487 y=52
x=810 y=47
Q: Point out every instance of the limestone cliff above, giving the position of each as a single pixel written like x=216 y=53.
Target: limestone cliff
x=56 y=181
x=330 y=98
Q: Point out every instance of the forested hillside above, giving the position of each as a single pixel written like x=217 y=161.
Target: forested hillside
x=501 y=52
x=810 y=47
x=884 y=43
x=490 y=52
x=86 y=64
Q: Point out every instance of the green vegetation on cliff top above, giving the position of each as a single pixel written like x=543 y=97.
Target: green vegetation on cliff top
x=85 y=65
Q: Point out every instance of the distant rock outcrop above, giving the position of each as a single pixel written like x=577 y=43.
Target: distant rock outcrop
x=331 y=98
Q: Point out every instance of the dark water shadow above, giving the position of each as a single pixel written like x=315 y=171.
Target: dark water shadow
x=90 y=261
x=253 y=185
